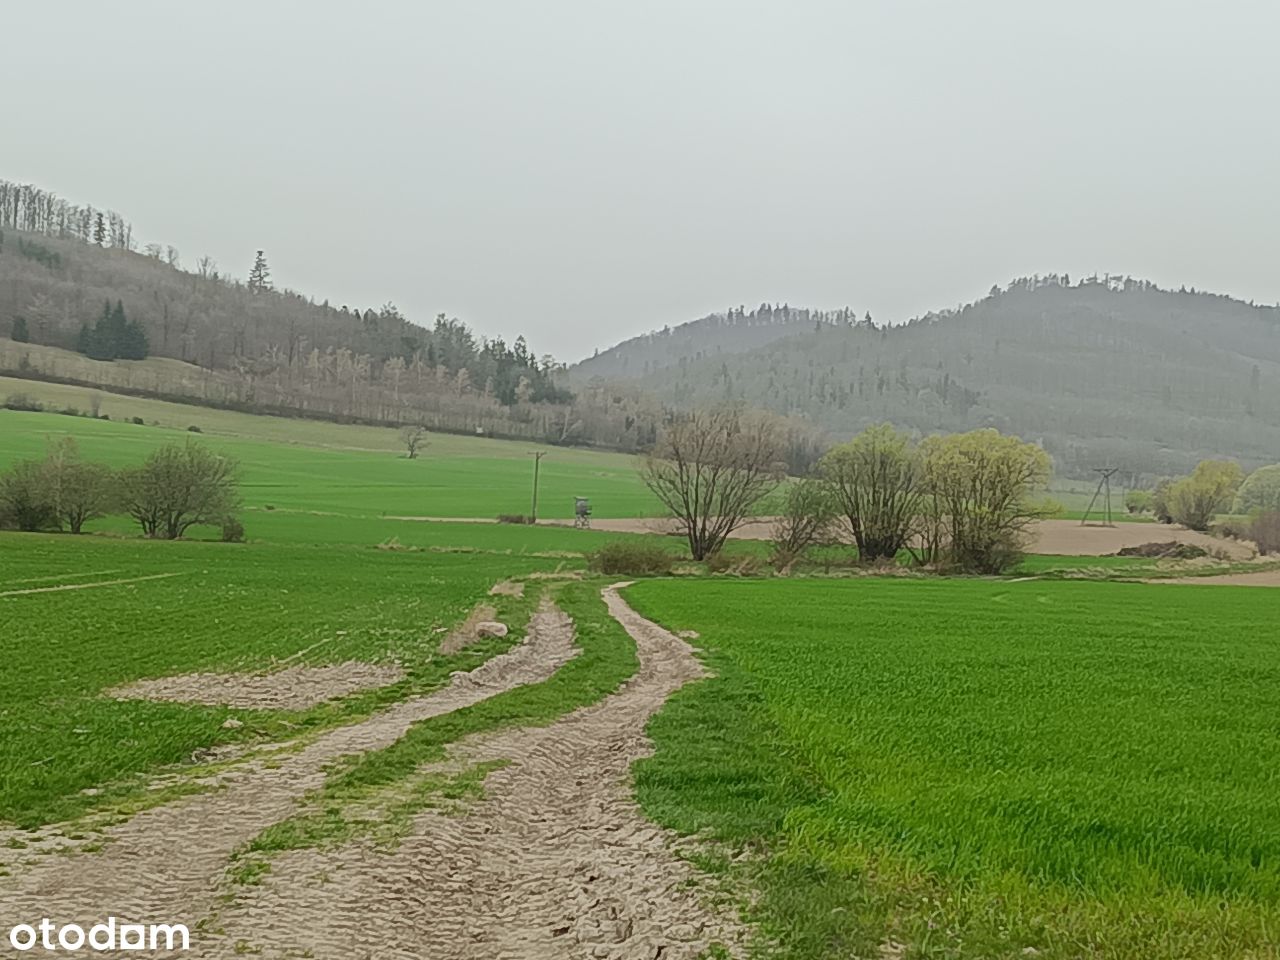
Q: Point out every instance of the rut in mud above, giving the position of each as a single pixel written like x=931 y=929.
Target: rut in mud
x=165 y=864
x=555 y=861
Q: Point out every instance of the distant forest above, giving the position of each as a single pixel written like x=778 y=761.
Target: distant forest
x=1102 y=371
x=59 y=263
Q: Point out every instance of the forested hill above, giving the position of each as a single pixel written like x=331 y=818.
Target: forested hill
x=736 y=330
x=74 y=277
x=1103 y=371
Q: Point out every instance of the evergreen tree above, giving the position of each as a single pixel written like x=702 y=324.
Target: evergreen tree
x=99 y=230
x=259 y=275
x=20 y=332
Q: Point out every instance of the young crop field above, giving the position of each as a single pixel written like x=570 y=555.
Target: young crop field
x=982 y=769
x=353 y=471
x=84 y=615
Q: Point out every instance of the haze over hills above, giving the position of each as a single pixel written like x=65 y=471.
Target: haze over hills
x=1103 y=371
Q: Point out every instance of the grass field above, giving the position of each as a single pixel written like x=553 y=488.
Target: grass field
x=976 y=768
x=349 y=470
x=183 y=607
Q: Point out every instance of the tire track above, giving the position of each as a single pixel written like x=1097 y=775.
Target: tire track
x=166 y=864
x=555 y=863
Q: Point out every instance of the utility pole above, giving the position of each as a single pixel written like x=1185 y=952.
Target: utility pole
x=537 y=459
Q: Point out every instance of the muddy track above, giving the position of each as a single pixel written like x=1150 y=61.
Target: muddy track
x=166 y=864
x=555 y=861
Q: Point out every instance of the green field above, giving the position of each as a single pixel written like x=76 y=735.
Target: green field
x=348 y=470
x=978 y=768
x=200 y=607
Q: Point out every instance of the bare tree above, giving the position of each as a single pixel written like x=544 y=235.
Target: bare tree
x=805 y=521
x=414 y=438
x=178 y=487
x=710 y=467
x=78 y=490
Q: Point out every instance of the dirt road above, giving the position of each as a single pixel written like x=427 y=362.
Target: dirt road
x=554 y=862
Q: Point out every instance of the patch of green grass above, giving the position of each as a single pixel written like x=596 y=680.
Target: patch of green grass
x=356 y=471
x=218 y=607
x=608 y=659
x=978 y=768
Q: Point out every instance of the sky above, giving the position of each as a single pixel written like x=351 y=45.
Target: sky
x=581 y=171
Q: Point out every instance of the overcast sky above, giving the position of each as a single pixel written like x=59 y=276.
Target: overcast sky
x=585 y=170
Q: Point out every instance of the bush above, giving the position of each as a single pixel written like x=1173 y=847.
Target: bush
x=70 y=412
x=194 y=429
x=631 y=559
x=1265 y=532
x=1232 y=528
x=1208 y=490
x=806 y=520
x=24 y=402
x=178 y=487
x=25 y=500
x=515 y=518
x=1260 y=492
x=742 y=565
x=232 y=530
x=1139 y=501
x=137 y=420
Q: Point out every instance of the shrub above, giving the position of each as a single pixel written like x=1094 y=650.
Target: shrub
x=632 y=559
x=1209 y=489
x=79 y=490
x=178 y=487
x=805 y=521
x=194 y=429
x=1139 y=501
x=1265 y=532
x=232 y=530
x=1232 y=528
x=70 y=412
x=25 y=501
x=137 y=420
x=742 y=565
x=24 y=402
x=1261 y=491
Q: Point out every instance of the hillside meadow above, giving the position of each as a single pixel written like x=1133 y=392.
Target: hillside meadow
x=337 y=469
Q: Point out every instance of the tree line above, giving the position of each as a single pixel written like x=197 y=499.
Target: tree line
x=959 y=502
x=1213 y=488
x=177 y=487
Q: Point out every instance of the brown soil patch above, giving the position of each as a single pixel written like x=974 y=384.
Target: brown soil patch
x=1069 y=538
x=1264 y=578
x=166 y=864
x=1061 y=537
x=464 y=634
x=293 y=688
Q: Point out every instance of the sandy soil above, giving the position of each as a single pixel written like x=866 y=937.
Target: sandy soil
x=464 y=634
x=1264 y=578
x=1062 y=537
x=555 y=862
x=293 y=688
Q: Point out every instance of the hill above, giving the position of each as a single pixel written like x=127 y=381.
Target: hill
x=1102 y=371
x=73 y=281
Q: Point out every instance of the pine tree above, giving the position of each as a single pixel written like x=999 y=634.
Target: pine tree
x=259 y=275
x=100 y=230
x=20 y=332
